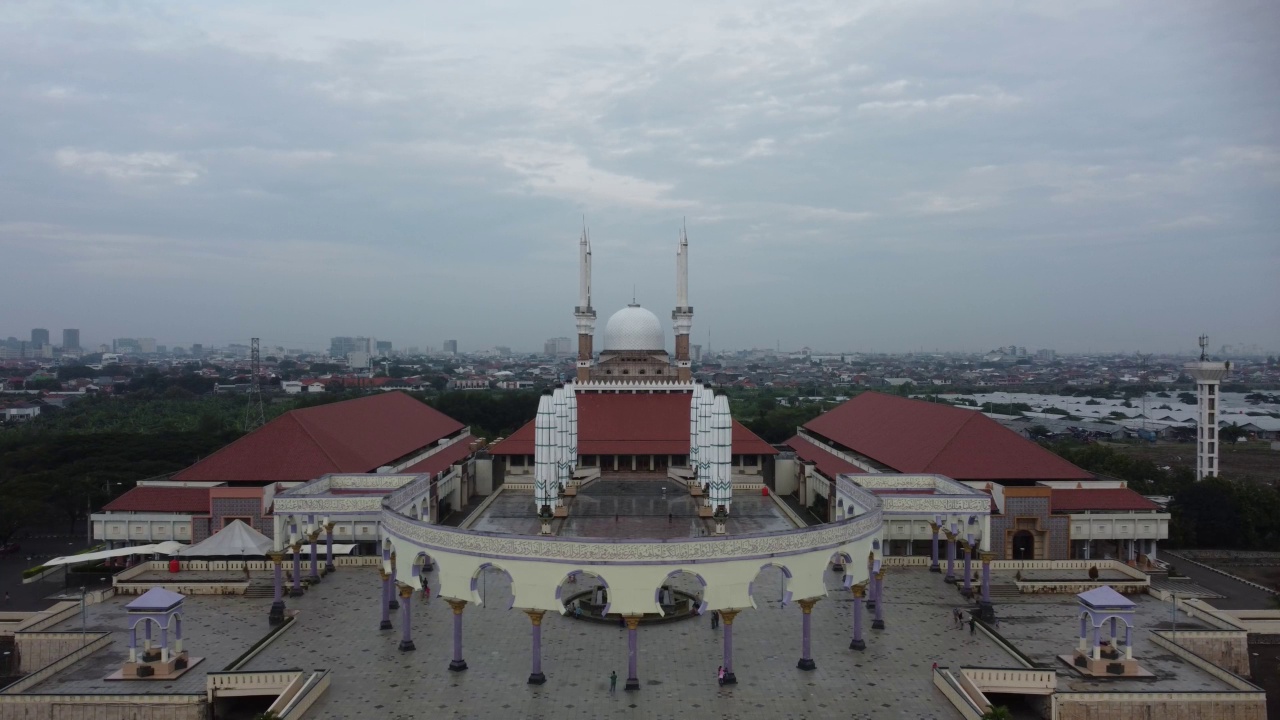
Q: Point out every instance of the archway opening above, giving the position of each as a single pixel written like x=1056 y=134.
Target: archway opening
x=1024 y=545
x=585 y=596
x=770 y=586
x=494 y=585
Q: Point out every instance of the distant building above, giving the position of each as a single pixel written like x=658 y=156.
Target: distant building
x=39 y=336
x=358 y=359
x=125 y=346
x=451 y=347
x=695 y=353
x=340 y=346
x=70 y=339
x=197 y=350
x=147 y=345
x=384 y=347
x=557 y=347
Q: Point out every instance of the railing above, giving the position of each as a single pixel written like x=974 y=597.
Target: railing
x=950 y=687
x=905 y=560
x=315 y=686
x=239 y=683
x=1012 y=680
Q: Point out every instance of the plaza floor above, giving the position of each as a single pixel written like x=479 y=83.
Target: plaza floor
x=892 y=678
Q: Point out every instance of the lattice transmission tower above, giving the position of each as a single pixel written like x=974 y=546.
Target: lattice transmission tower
x=254 y=414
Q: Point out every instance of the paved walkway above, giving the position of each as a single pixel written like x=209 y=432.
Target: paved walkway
x=1235 y=594
x=677 y=665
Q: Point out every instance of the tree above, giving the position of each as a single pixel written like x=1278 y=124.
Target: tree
x=1232 y=433
x=1036 y=432
x=997 y=712
x=1187 y=398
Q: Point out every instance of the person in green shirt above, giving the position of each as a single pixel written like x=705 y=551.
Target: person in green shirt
x=613 y=682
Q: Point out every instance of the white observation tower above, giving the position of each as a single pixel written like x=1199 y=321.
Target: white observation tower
x=1208 y=375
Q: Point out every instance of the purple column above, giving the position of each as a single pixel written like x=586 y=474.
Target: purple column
x=967 y=590
x=950 y=577
x=986 y=579
x=871 y=586
x=878 y=622
x=315 y=565
x=164 y=643
x=727 y=617
x=406 y=640
x=536 y=677
x=859 y=592
x=633 y=682
x=933 y=558
x=393 y=604
x=328 y=547
x=383 y=600
x=297 y=571
x=276 y=615
x=806 y=657
x=457 y=664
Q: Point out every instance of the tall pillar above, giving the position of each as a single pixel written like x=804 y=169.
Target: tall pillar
x=985 y=610
x=296 y=590
x=276 y=616
x=967 y=588
x=583 y=315
x=394 y=604
x=164 y=643
x=457 y=664
x=1084 y=634
x=314 y=537
x=535 y=676
x=384 y=600
x=871 y=580
x=328 y=547
x=406 y=639
x=950 y=577
x=1208 y=376
x=633 y=622
x=806 y=656
x=1097 y=643
x=1128 y=641
x=878 y=622
x=727 y=617
x=682 y=316
x=933 y=558
x=859 y=592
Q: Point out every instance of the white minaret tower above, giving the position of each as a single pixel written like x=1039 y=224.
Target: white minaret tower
x=544 y=459
x=583 y=314
x=1208 y=375
x=682 y=316
x=722 y=468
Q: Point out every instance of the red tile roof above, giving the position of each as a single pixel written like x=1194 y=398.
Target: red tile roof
x=457 y=452
x=828 y=464
x=1099 y=500
x=152 y=498
x=625 y=424
x=913 y=436
x=353 y=436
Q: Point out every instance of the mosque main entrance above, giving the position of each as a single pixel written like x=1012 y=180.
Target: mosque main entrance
x=1024 y=545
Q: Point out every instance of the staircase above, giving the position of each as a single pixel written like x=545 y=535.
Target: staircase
x=1004 y=590
x=260 y=589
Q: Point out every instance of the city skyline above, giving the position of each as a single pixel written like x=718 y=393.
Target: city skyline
x=872 y=177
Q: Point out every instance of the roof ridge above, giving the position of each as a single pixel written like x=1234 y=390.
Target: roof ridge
x=951 y=438
x=336 y=465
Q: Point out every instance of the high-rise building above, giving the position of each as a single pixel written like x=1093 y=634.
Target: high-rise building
x=70 y=339
x=384 y=347
x=340 y=346
x=1208 y=375
x=147 y=346
x=197 y=349
x=39 y=336
x=451 y=347
x=558 y=346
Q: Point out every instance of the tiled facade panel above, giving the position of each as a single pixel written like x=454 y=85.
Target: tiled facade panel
x=1058 y=530
x=240 y=508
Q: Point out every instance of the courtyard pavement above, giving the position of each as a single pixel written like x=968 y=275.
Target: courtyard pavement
x=337 y=629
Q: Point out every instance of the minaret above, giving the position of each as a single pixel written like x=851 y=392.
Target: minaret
x=583 y=313
x=1208 y=375
x=682 y=316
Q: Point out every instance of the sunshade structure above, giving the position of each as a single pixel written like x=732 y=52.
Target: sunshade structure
x=234 y=540
x=168 y=547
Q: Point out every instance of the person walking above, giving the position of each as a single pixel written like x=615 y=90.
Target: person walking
x=613 y=682
x=973 y=626
x=720 y=675
x=715 y=619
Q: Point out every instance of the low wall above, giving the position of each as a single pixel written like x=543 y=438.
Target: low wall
x=1073 y=587
x=103 y=707
x=1114 y=565
x=951 y=689
x=97 y=641
x=48 y=618
x=1144 y=706
x=1228 y=650
x=905 y=560
x=38 y=649
x=195 y=588
x=316 y=686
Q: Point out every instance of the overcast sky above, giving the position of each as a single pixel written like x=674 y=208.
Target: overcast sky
x=855 y=175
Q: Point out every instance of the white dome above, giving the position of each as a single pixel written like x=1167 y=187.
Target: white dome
x=633 y=328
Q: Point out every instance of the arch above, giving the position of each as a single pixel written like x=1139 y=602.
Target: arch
x=572 y=576
x=786 y=577
x=680 y=572
x=1100 y=619
x=422 y=562
x=482 y=569
x=413 y=510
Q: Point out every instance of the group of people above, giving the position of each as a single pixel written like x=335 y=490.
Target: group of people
x=957 y=621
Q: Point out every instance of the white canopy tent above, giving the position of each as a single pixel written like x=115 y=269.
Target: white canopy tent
x=234 y=540
x=168 y=547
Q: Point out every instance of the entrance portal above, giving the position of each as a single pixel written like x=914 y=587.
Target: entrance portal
x=1024 y=545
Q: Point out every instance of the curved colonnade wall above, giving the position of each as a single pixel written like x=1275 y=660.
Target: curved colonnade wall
x=633 y=570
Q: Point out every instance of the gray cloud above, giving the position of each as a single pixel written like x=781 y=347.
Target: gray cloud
x=873 y=176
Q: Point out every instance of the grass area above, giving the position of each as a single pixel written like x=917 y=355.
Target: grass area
x=1252 y=461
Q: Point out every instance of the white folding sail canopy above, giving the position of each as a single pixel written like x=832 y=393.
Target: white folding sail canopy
x=234 y=540
x=168 y=547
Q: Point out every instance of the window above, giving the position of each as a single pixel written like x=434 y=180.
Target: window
x=641 y=371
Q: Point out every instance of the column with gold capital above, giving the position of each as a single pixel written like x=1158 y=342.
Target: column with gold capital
x=383 y=599
x=806 y=657
x=406 y=639
x=536 y=677
x=859 y=594
x=457 y=664
x=328 y=546
x=314 y=537
x=878 y=622
x=985 y=610
x=632 y=622
x=933 y=556
x=276 y=616
x=950 y=577
x=727 y=617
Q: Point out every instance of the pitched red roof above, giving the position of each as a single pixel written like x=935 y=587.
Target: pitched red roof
x=353 y=436
x=1099 y=500
x=914 y=436
x=626 y=424
x=457 y=452
x=828 y=464
x=152 y=498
